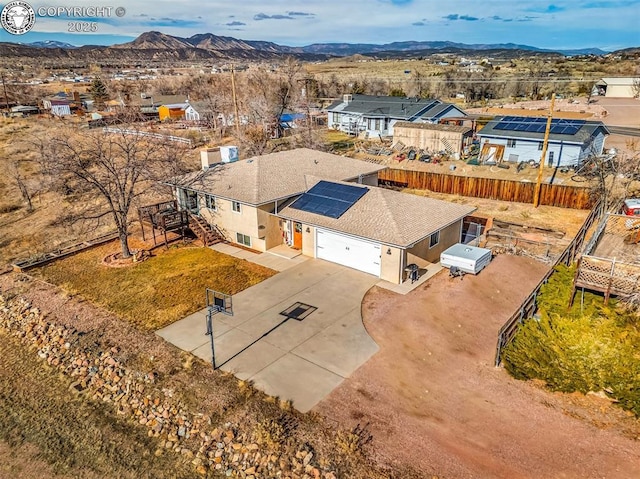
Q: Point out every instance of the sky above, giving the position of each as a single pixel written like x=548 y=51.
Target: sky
x=557 y=24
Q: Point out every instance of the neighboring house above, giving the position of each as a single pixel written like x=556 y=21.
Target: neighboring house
x=60 y=107
x=519 y=138
x=325 y=205
x=618 y=87
x=24 y=110
x=434 y=137
x=376 y=115
x=114 y=105
x=199 y=111
x=66 y=103
x=174 y=111
x=150 y=104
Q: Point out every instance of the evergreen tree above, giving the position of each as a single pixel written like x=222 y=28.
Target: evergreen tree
x=98 y=91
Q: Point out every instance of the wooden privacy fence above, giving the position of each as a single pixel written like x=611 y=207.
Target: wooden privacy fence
x=490 y=188
x=529 y=307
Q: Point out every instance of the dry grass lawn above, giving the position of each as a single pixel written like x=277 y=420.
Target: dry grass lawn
x=155 y=292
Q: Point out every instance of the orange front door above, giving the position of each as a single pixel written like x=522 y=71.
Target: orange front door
x=297 y=236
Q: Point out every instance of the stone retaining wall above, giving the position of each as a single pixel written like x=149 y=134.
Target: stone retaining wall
x=230 y=450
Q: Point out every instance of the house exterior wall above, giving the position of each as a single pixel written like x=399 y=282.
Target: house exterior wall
x=391 y=264
x=309 y=240
x=432 y=140
x=269 y=226
x=620 y=91
x=562 y=154
x=449 y=236
x=61 y=110
x=165 y=113
x=231 y=222
x=191 y=114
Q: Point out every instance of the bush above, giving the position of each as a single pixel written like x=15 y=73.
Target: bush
x=590 y=347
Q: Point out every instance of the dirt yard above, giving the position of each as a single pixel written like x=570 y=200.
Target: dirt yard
x=435 y=401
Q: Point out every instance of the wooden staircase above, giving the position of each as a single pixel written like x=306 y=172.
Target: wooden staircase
x=206 y=233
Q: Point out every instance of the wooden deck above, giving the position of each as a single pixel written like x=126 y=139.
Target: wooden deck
x=617 y=240
x=612 y=266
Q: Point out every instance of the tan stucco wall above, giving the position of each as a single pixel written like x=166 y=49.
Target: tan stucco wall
x=448 y=236
x=390 y=263
x=309 y=241
x=245 y=222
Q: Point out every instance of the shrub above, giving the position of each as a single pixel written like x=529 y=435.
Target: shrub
x=590 y=347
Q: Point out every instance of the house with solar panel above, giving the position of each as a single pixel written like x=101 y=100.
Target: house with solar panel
x=520 y=138
x=376 y=115
x=323 y=205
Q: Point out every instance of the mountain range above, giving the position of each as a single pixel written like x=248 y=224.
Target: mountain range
x=157 y=46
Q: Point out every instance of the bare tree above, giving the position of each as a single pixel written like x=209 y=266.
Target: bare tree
x=635 y=87
x=16 y=173
x=107 y=172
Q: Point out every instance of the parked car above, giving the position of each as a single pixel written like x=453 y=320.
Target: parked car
x=631 y=207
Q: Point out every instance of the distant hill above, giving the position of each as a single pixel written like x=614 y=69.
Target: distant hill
x=412 y=46
x=160 y=47
x=51 y=44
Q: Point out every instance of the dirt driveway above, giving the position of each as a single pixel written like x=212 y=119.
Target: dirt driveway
x=435 y=402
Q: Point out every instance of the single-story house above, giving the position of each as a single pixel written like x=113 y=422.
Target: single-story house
x=199 y=111
x=376 y=115
x=325 y=205
x=150 y=104
x=519 y=138
x=433 y=137
x=618 y=87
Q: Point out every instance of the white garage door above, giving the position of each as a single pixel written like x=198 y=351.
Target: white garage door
x=347 y=251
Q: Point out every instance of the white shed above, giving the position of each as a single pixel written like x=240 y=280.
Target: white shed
x=469 y=259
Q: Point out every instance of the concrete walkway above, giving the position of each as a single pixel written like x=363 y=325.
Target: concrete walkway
x=302 y=361
x=279 y=258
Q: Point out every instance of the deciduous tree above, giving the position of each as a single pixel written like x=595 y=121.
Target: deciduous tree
x=108 y=172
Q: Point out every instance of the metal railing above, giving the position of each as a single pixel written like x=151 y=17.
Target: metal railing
x=529 y=307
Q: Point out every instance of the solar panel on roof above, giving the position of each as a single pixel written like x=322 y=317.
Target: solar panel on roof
x=559 y=126
x=329 y=199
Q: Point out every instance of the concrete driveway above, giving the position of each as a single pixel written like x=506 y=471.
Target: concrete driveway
x=302 y=361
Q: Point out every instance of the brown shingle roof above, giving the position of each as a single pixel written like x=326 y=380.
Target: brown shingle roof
x=266 y=178
x=387 y=216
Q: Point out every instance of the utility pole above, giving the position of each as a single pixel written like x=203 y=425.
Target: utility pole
x=235 y=102
x=545 y=144
x=6 y=97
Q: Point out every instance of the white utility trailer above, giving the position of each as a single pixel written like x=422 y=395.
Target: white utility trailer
x=469 y=259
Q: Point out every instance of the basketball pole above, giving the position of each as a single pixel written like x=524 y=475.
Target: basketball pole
x=545 y=144
x=210 y=334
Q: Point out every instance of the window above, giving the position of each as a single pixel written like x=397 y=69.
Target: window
x=540 y=145
x=551 y=158
x=210 y=202
x=511 y=143
x=243 y=239
x=235 y=206
x=434 y=239
x=336 y=117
